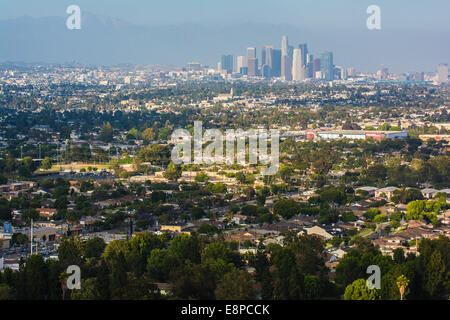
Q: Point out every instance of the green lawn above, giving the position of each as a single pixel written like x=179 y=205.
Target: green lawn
x=77 y=166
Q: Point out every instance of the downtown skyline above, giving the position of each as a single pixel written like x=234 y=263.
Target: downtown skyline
x=38 y=34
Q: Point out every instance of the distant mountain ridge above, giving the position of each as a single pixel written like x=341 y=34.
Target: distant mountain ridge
x=105 y=41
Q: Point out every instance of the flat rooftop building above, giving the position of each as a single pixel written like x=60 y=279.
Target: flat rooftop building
x=355 y=134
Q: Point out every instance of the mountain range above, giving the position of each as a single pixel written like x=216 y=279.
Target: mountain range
x=107 y=41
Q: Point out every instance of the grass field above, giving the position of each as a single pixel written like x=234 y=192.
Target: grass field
x=77 y=166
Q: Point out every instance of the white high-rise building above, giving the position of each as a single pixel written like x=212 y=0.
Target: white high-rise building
x=284 y=46
x=241 y=62
x=442 y=73
x=297 y=74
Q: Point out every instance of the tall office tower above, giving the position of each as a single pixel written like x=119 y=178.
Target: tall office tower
x=343 y=74
x=275 y=65
x=326 y=65
x=316 y=65
x=419 y=76
x=241 y=62
x=265 y=71
x=269 y=56
x=284 y=46
x=286 y=68
x=304 y=48
x=442 y=73
x=263 y=55
x=227 y=62
x=251 y=52
x=382 y=74
x=351 y=72
x=252 y=62
x=219 y=66
x=309 y=65
x=252 y=66
x=286 y=59
x=266 y=54
x=297 y=65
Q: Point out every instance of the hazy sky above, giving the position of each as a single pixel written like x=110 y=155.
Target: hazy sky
x=420 y=14
x=414 y=34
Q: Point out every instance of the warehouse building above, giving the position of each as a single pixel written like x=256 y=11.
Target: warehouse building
x=355 y=134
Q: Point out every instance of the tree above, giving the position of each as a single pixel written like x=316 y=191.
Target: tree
x=93 y=248
x=173 y=172
x=149 y=135
x=160 y=264
x=435 y=274
x=287 y=208
x=5 y=211
x=358 y=290
x=197 y=213
x=194 y=282
x=286 y=173
x=402 y=284
x=321 y=166
x=106 y=132
x=46 y=163
x=88 y=291
x=19 y=238
x=201 y=177
x=313 y=287
x=69 y=252
x=236 y=285
x=29 y=214
x=333 y=195
x=36 y=276
x=420 y=209
x=249 y=193
x=219 y=188
x=6 y=292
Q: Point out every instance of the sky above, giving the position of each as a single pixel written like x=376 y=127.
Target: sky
x=398 y=17
x=430 y=14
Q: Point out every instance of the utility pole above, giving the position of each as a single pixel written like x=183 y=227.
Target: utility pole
x=31 y=251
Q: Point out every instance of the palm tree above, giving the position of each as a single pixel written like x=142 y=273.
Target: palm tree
x=402 y=284
x=63 y=280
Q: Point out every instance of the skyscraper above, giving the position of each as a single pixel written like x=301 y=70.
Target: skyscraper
x=326 y=66
x=382 y=74
x=227 y=62
x=265 y=71
x=241 y=62
x=251 y=52
x=286 y=59
x=316 y=65
x=276 y=63
x=309 y=66
x=284 y=46
x=286 y=68
x=442 y=73
x=252 y=66
x=297 y=74
x=266 y=55
x=304 y=48
x=252 y=61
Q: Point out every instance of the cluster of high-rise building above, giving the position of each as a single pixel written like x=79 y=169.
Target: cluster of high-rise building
x=298 y=64
x=287 y=63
